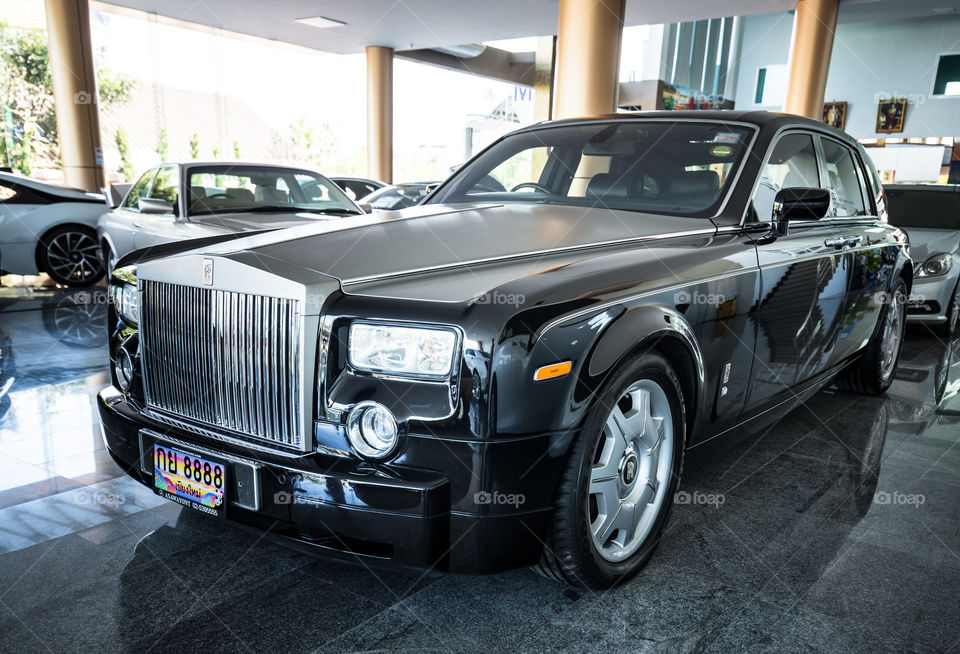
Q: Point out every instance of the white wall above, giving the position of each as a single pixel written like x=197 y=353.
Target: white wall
x=869 y=59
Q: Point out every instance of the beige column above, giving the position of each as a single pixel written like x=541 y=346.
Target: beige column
x=380 y=113
x=588 y=57
x=75 y=92
x=813 y=29
x=545 y=60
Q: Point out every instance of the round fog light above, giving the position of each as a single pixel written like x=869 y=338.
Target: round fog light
x=372 y=430
x=124 y=369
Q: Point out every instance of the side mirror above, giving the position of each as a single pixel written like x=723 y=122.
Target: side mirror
x=799 y=204
x=154 y=206
x=366 y=207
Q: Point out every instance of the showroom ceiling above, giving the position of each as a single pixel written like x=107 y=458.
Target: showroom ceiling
x=347 y=26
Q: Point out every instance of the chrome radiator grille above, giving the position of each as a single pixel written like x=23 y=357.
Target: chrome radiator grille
x=229 y=360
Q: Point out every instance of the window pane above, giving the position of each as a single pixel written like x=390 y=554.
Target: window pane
x=846 y=196
x=793 y=164
x=167 y=184
x=7 y=193
x=927 y=208
x=140 y=189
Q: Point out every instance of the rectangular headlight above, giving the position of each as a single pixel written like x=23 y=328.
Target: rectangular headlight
x=412 y=351
x=124 y=295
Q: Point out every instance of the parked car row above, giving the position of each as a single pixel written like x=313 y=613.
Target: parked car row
x=70 y=235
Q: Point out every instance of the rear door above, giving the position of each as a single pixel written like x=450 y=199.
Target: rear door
x=803 y=281
x=853 y=213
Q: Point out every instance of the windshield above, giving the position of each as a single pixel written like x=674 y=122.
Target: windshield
x=931 y=209
x=677 y=168
x=234 y=189
x=399 y=197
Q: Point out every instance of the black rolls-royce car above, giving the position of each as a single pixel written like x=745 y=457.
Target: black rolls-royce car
x=501 y=378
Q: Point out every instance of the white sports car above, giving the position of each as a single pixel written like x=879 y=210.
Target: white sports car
x=51 y=229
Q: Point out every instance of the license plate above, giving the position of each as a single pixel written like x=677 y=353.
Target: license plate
x=191 y=480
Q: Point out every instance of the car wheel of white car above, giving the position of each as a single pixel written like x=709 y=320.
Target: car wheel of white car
x=949 y=328
x=71 y=256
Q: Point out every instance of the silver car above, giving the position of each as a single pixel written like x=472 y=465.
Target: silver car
x=930 y=215
x=51 y=229
x=177 y=201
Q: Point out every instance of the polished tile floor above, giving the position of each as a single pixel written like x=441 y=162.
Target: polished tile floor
x=837 y=530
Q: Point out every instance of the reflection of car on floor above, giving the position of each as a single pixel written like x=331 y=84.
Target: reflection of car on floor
x=51 y=229
x=357 y=187
x=930 y=214
x=513 y=364
x=173 y=202
x=399 y=196
x=927 y=381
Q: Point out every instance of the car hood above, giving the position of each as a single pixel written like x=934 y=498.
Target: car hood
x=924 y=242
x=418 y=240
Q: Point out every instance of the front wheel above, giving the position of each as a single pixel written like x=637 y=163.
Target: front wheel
x=617 y=491
x=873 y=372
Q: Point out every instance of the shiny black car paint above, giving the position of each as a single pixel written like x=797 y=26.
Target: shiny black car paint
x=752 y=322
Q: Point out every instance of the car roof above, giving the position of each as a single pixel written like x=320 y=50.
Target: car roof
x=761 y=119
x=64 y=192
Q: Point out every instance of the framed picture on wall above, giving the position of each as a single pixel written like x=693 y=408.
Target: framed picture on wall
x=890 y=115
x=835 y=114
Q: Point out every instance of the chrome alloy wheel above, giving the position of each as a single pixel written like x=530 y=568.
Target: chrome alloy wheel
x=892 y=334
x=74 y=256
x=631 y=470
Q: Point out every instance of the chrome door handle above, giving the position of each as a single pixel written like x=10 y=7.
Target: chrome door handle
x=835 y=243
x=137 y=224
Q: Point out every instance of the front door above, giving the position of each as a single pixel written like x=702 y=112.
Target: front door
x=804 y=282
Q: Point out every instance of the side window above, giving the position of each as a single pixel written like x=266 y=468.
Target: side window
x=167 y=184
x=843 y=181
x=6 y=193
x=139 y=190
x=525 y=167
x=792 y=164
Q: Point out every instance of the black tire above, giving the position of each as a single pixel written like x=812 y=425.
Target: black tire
x=949 y=328
x=570 y=554
x=70 y=256
x=870 y=374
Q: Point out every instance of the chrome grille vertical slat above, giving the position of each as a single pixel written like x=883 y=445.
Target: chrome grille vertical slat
x=229 y=360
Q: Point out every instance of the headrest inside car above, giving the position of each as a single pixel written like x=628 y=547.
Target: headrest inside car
x=607 y=185
x=696 y=182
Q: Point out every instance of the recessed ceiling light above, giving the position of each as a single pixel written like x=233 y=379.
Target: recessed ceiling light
x=320 y=21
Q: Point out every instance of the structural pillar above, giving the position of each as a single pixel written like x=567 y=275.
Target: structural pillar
x=380 y=113
x=813 y=29
x=588 y=57
x=75 y=93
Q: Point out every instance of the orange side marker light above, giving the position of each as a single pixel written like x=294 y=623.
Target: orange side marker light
x=551 y=371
